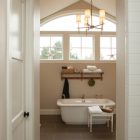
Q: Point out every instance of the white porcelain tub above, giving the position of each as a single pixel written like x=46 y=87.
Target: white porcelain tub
x=74 y=111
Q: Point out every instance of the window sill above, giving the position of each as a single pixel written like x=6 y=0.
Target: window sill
x=77 y=61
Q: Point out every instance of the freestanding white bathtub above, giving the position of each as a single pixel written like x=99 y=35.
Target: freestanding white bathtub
x=74 y=111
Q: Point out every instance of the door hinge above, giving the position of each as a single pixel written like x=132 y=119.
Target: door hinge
x=26 y=114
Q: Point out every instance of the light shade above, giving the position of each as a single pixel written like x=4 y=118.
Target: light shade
x=78 y=18
x=102 y=13
x=88 y=20
x=101 y=20
x=85 y=21
x=87 y=13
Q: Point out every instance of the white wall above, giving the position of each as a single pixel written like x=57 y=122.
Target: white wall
x=120 y=69
x=3 y=70
x=133 y=67
x=128 y=71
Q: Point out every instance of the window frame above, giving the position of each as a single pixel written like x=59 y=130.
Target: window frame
x=43 y=22
x=93 y=46
x=66 y=35
x=110 y=48
x=54 y=35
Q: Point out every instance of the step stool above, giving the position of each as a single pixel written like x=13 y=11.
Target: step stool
x=99 y=113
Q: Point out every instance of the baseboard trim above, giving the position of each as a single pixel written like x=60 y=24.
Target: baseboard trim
x=50 y=112
x=54 y=112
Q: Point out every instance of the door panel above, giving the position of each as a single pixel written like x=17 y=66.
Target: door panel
x=17 y=87
x=17 y=93
x=16 y=69
x=17 y=20
x=18 y=132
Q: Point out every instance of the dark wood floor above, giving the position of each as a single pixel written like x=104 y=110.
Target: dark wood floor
x=52 y=128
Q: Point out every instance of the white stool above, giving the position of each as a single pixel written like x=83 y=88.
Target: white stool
x=92 y=114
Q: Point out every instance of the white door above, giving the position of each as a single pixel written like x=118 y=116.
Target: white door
x=16 y=96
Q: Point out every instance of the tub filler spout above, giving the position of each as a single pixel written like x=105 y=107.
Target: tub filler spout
x=83 y=99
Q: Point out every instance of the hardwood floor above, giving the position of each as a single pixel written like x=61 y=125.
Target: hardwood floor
x=53 y=128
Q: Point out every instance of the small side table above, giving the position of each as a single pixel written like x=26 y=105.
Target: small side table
x=92 y=115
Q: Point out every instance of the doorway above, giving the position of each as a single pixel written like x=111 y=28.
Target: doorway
x=120 y=93
x=55 y=69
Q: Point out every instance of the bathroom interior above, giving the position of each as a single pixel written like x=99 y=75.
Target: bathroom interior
x=79 y=74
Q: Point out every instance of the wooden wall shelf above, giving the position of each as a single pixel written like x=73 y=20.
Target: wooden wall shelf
x=82 y=75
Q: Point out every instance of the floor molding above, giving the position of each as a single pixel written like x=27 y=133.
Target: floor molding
x=49 y=111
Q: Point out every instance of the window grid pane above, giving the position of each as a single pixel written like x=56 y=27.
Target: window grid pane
x=51 y=48
x=82 y=51
x=44 y=41
x=107 y=48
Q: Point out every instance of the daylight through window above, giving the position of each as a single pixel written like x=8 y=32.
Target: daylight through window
x=81 y=48
x=107 y=48
x=51 y=47
x=61 y=40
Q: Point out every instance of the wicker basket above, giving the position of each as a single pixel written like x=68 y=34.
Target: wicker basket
x=107 y=109
x=67 y=70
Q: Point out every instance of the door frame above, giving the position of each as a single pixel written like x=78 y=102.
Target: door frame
x=31 y=70
x=121 y=72
x=3 y=48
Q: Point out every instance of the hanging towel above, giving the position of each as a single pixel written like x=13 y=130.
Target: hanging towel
x=65 y=93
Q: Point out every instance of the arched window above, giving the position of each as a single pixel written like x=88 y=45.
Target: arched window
x=57 y=42
x=68 y=23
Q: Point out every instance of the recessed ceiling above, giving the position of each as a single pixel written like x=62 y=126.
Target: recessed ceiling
x=48 y=7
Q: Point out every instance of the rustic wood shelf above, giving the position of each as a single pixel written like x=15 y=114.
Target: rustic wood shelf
x=82 y=75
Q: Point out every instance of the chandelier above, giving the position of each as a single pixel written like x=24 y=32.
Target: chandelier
x=88 y=20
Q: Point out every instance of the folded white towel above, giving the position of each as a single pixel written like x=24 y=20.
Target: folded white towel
x=94 y=109
x=87 y=71
x=98 y=70
x=91 y=68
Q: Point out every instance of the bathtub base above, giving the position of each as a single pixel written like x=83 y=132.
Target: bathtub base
x=78 y=116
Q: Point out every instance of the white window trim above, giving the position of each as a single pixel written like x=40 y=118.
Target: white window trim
x=76 y=61
x=100 y=46
x=65 y=45
x=54 y=35
x=93 y=45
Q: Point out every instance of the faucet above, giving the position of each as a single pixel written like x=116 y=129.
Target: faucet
x=83 y=98
x=96 y=96
x=101 y=96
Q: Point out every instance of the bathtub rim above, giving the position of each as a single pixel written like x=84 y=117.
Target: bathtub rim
x=82 y=103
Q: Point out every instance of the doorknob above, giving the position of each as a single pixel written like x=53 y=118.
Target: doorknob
x=26 y=114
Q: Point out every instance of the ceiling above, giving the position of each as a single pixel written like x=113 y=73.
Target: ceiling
x=48 y=7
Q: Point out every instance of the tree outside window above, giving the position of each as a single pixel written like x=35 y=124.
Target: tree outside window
x=51 y=48
x=81 y=48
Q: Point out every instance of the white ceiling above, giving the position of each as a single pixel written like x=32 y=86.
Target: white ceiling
x=48 y=7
